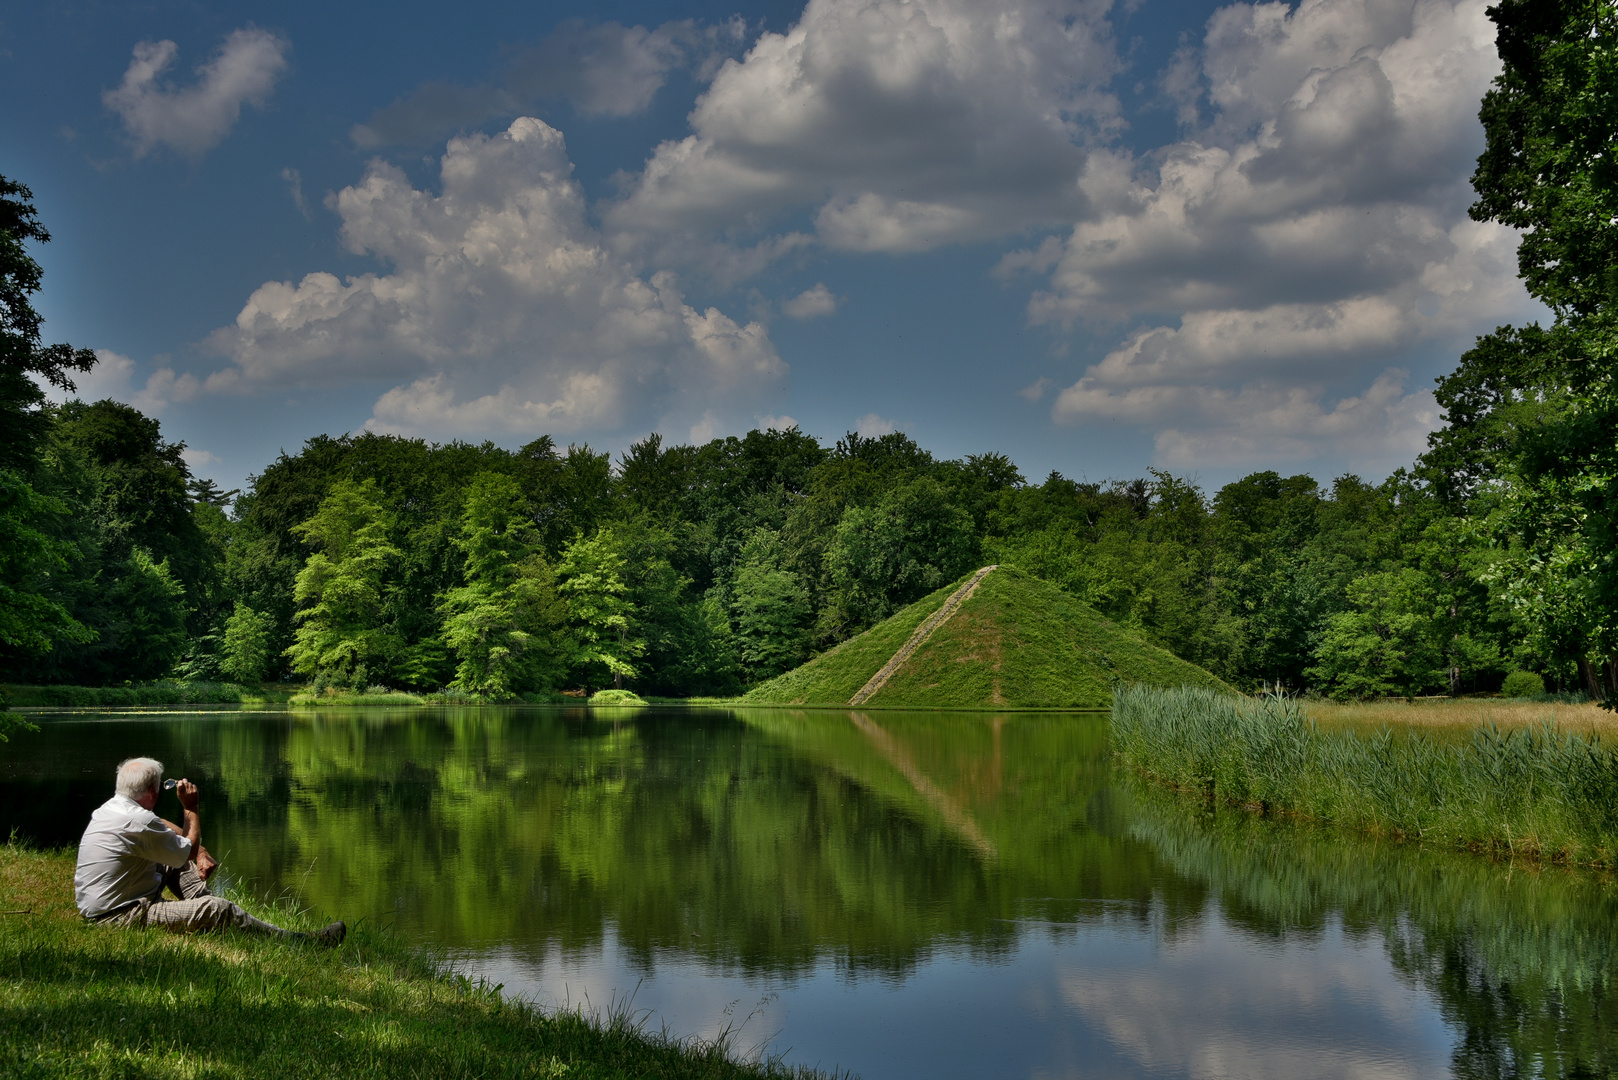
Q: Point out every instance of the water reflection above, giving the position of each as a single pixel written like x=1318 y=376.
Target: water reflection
x=899 y=893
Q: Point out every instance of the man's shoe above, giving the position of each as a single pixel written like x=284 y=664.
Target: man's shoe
x=331 y=936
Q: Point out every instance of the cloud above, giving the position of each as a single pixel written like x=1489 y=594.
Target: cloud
x=294 y=182
x=198 y=460
x=902 y=124
x=1312 y=232
x=812 y=303
x=775 y=423
x=503 y=311
x=193 y=119
x=1036 y=389
x=603 y=69
x=114 y=376
x=871 y=425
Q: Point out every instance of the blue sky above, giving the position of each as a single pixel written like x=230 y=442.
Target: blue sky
x=1096 y=237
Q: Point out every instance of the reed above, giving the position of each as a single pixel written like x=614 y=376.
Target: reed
x=1533 y=791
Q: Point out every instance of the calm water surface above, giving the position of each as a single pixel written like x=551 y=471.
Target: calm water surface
x=895 y=894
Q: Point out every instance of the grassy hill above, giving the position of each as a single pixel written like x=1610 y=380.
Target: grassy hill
x=1016 y=642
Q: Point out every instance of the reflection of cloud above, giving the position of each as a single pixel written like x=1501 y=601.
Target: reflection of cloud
x=1215 y=1004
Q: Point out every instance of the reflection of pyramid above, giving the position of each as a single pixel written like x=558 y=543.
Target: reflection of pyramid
x=998 y=638
x=954 y=814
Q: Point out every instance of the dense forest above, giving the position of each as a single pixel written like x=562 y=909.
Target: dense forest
x=679 y=570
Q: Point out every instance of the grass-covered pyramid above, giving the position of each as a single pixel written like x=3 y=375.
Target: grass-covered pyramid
x=1014 y=641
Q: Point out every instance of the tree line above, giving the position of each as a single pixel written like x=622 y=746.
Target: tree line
x=699 y=569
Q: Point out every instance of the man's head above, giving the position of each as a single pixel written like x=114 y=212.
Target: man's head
x=138 y=779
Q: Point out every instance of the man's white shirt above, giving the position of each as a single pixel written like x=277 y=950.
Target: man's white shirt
x=122 y=856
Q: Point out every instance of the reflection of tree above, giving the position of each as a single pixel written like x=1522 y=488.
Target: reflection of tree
x=528 y=827
x=1521 y=959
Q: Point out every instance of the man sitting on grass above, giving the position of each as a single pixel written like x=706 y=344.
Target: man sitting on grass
x=129 y=854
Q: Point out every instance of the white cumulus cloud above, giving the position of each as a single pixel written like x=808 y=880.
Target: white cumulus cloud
x=194 y=118
x=1310 y=231
x=503 y=312
x=902 y=124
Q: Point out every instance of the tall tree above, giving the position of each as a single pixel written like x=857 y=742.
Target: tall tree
x=343 y=639
x=23 y=357
x=502 y=623
x=31 y=622
x=590 y=578
x=1531 y=411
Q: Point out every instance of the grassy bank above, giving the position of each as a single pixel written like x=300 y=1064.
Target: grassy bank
x=82 y=1000
x=1531 y=791
x=161 y=692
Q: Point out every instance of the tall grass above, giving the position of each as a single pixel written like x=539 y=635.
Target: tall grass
x=1532 y=791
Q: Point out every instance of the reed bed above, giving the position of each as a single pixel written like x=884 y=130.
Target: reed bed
x=1533 y=790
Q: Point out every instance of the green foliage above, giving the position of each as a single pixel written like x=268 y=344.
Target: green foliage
x=1521 y=684
x=24 y=361
x=343 y=637
x=1386 y=643
x=610 y=696
x=1531 y=791
x=1530 y=411
x=158 y=692
x=773 y=612
x=245 y=655
x=30 y=620
x=590 y=578
x=150 y=635
x=504 y=622
x=907 y=545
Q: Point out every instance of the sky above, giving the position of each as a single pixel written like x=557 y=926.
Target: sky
x=1099 y=238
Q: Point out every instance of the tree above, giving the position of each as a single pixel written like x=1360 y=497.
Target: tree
x=23 y=357
x=1530 y=411
x=343 y=640
x=912 y=542
x=245 y=655
x=30 y=621
x=1389 y=642
x=501 y=624
x=590 y=578
x=773 y=615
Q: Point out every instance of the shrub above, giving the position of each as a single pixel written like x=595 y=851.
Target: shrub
x=616 y=697
x=1523 y=684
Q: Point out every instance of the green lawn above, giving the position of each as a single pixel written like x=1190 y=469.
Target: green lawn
x=78 y=1000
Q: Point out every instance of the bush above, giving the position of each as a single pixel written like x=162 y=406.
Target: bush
x=616 y=697
x=1523 y=684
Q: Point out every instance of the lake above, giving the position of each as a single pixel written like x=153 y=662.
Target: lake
x=897 y=894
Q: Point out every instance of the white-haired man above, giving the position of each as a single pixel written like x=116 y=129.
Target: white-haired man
x=129 y=855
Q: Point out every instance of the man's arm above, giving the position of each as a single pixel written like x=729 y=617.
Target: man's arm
x=187 y=792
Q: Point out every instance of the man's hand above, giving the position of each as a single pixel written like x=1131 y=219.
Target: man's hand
x=205 y=863
x=187 y=792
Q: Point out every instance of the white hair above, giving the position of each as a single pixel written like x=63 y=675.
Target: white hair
x=137 y=776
